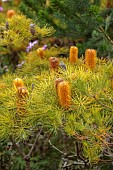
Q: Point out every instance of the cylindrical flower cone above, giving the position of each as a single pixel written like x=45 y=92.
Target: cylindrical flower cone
x=22 y=95
x=64 y=94
x=73 y=54
x=54 y=63
x=18 y=82
x=41 y=52
x=10 y=13
x=90 y=58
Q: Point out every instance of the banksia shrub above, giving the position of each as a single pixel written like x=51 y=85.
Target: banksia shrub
x=90 y=58
x=54 y=63
x=41 y=52
x=64 y=94
x=73 y=54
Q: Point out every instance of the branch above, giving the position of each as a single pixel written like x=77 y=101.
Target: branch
x=56 y=148
x=18 y=148
x=33 y=147
x=78 y=154
x=104 y=105
x=74 y=163
x=105 y=34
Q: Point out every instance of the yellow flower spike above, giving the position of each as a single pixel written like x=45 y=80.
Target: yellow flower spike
x=41 y=53
x=64 y=94
x=18 y=82
x=90 y=58
x=73 y=54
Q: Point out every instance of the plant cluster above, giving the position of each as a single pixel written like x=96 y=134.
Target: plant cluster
x=17 y=36
x=80 y=105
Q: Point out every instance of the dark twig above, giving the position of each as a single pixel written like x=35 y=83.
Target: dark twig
x=104 y=105
x=105 y=34
x=56 y=148
x=78 y=154
x=35 y=142
x=74 y=163
x=18 y=148
x=24 y=156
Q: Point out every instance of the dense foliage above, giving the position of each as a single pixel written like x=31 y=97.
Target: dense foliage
x=87 y=23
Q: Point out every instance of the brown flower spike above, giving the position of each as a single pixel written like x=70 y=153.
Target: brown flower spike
x=64 y=94
x=54 y=63
x=73 y=54
x=90 y=58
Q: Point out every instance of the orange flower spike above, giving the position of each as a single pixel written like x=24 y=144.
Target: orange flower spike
x=18 y=83
x=64 y=94
x=90 y=58
x=41 y=52
x=10 y=13
x=73 y=54
x=54 y=63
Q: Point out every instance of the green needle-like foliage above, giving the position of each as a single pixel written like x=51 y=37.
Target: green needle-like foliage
x=88 y=119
